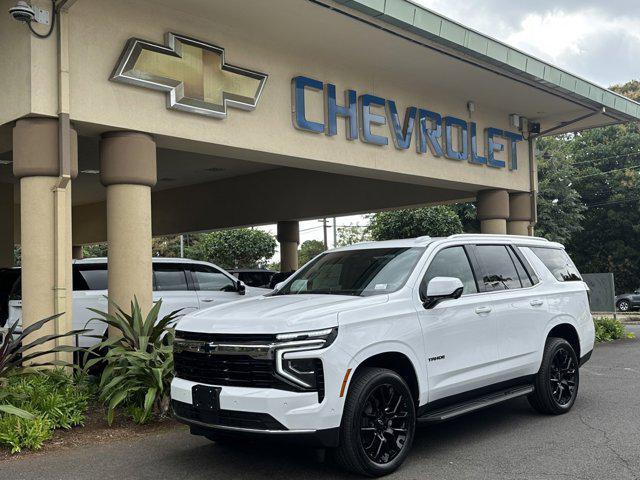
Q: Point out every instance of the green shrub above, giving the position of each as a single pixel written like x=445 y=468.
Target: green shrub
x=608 y=329
x=18 y=433
x=52 y=399
x=138 y=365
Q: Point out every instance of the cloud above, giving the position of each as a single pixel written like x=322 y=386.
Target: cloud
x=591 y=38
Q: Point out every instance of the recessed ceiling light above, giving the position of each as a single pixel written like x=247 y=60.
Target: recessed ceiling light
x=90 y=172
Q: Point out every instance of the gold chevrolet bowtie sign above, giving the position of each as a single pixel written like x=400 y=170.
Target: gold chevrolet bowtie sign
x=194 y=73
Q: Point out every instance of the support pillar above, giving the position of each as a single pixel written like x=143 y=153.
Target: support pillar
x=128 y=170
x=493 y=211
x=289 y=238
x=6 y=225
x=519 y=222
x=45 y=224
x=77 y=253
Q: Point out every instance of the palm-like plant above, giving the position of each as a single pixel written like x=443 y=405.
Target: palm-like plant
x=138 y=361
x=16 y=352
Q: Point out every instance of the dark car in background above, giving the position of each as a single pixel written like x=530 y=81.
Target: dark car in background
x=628 y=301
x=254 y=277
x=8 y=277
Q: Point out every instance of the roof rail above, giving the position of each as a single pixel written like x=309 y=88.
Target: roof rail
x=490 y=235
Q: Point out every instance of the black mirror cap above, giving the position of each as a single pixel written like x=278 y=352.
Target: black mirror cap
x=431 y=302
x=241 y=288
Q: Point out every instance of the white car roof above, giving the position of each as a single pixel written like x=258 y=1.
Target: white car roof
x=154 y=259
x=465 y=237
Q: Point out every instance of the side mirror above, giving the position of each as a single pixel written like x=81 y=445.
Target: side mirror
x=241 y=287
x=442 y=288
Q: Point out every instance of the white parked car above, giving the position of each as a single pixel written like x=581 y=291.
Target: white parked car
x=181 y=284
x=365 y=341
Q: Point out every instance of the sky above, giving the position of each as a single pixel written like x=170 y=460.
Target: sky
x=598 y=40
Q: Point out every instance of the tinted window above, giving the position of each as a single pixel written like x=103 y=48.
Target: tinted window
x=210 y=279
x=90 y=277
x=169 y=277
x=522 y=273
x=498 y=270
x=558 y=263
x=452 y=262
x=355 y=272
x=255 y=279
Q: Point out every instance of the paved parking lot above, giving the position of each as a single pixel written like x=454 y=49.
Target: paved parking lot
x=599 y=439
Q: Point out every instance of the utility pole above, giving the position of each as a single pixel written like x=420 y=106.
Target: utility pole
x=335 y=232
x=324 y=230
x=181 y=246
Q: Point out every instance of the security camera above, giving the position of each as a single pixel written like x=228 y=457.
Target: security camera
x=22 y=12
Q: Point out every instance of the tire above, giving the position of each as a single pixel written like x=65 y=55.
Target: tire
x=556 y=384
x=364 y=424
x=624 y=305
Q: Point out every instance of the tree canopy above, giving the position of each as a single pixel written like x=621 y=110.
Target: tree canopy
x=238 y=248
x=438 y=221
x=308 y=250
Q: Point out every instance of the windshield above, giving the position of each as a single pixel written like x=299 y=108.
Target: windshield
x=355 y=272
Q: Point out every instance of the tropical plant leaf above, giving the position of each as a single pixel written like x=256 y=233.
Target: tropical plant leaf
x=11 y=410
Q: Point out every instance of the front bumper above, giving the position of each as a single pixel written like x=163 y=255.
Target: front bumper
x=260 y=411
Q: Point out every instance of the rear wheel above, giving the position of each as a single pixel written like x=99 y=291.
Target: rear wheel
x=378 y=423
x=624 y=305
x=556 y=384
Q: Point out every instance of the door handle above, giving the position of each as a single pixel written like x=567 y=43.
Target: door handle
x=481 y=310
x=536 y=303
x=207 y=300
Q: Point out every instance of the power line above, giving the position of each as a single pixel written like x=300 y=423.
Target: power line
x=605 y=173
x=615 y=202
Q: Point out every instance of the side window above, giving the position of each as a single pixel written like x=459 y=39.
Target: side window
x=558 y=263
x=90 y=277
x=452 y=262
x=169 y=277
x=522 y=273
x=211 y=280
x=498 y=270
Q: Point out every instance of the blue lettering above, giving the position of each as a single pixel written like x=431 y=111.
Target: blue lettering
x=300 y=121
x=369 y=118
x=430 y=136
x=475 y=158
x=463 y=142
x=493 y=147
x=401 y=134
x=349 y=111
x=513 y=138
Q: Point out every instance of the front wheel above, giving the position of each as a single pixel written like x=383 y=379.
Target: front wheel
x=378 y=423
x=556 y=384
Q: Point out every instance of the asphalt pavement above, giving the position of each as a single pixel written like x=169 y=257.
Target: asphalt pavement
x=599 y=439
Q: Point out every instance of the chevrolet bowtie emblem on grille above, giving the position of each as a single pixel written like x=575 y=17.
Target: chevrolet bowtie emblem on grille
x=194 y=73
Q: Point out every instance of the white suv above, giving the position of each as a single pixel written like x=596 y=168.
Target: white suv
x=180 y=283
x=365 y=341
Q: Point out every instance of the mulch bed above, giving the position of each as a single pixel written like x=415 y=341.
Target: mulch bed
x=95 y=431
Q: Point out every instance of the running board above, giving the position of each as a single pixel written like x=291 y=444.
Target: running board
x=475 y=404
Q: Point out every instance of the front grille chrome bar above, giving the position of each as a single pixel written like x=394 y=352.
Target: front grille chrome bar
x=251 y=349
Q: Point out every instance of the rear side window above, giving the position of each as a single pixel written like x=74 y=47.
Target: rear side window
x=90 y=277
x=498 y=269
x=169 y=277
x=558 y=263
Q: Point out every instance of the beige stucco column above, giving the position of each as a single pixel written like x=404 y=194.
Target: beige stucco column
x=128 y=170
x=6 y=225
x=493 y=211
x=289 y=238
x=519 y=214
x=77 y=253
x=45 y=226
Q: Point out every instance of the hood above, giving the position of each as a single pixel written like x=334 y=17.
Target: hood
x=275 y=314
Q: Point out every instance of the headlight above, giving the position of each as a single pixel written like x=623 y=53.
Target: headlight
x=303 y=372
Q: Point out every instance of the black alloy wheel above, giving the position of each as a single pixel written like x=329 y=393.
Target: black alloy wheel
x=556 y=383
x=384 y=423
x=563 y=377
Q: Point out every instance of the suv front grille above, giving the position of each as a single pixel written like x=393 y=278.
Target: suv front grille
x=226 y=370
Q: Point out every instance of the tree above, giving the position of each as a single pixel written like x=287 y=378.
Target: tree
x=468 y=216
x=308 y=250
x=166 y=246
x=560 y=207
x=96 y=250
x=438 y=221
x=352 y=234
x=238 y=248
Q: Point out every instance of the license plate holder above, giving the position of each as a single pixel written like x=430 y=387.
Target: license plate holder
x=206 y=398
